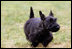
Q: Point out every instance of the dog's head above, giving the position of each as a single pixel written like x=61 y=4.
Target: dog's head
x=49 y=22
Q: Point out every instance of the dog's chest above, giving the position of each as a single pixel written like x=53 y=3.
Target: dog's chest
x=43 y=36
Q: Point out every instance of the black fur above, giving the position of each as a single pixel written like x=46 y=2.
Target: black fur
x=31 y=13
x=38 y=30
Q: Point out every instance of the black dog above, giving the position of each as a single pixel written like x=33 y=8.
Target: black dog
x=38 y=30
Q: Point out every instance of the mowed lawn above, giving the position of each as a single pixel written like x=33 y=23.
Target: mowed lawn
x=14 y=14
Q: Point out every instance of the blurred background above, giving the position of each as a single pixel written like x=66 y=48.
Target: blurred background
x=14 y=14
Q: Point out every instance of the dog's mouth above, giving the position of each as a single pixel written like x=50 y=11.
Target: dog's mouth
x=55 y=29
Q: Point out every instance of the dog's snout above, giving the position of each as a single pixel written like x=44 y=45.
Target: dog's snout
x=58 y=27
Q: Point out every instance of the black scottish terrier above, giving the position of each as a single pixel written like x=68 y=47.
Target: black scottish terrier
x=38 y=30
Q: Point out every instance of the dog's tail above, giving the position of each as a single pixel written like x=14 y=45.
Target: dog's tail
x=31 y=13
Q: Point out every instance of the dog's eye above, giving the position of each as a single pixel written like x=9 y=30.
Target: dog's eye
x=55 y=19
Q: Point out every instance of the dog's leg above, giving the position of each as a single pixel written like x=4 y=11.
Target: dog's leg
x=33 y=39
x=34 y=44
x=47 y=40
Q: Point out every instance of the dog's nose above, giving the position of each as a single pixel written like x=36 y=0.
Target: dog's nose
x=58 y=27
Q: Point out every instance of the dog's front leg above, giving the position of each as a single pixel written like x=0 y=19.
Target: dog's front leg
x=35 y=43
x=47 y=40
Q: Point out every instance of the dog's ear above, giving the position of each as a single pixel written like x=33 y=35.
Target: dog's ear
x=31 y=13
x=51 y=13
x=51 y=19
x=42 y=16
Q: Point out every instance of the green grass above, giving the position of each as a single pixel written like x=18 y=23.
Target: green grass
x=14 y=14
